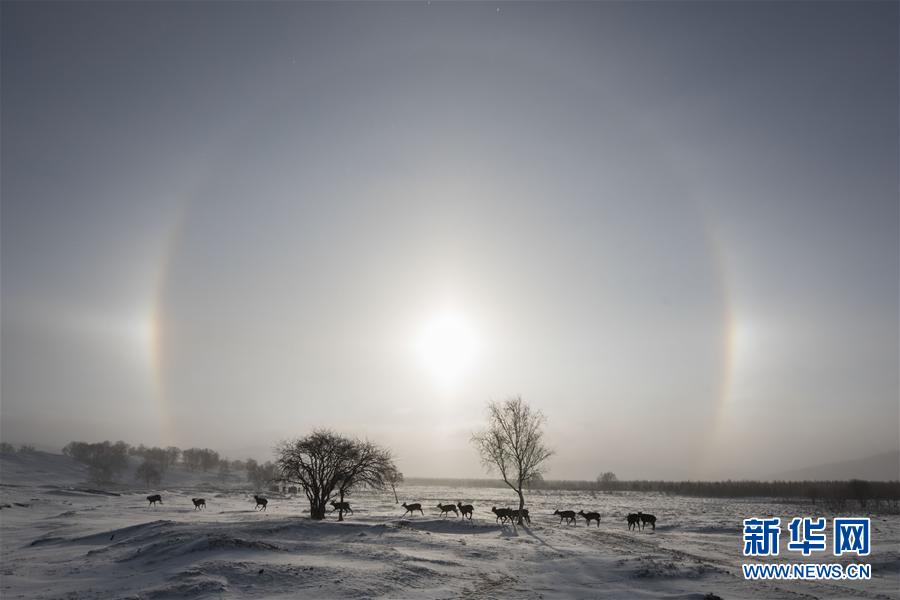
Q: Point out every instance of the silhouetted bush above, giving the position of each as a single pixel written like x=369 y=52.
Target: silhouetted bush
x=7 y=448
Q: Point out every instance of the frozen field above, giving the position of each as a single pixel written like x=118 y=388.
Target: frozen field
x=66 y=543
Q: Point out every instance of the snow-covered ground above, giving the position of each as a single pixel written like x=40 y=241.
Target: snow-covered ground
x=66 y=539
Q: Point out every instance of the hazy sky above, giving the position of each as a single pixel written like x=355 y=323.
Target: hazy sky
x=672 y=227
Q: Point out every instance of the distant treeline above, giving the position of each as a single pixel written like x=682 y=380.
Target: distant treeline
x=107 y=461
x=7 y=448
x=866 y=493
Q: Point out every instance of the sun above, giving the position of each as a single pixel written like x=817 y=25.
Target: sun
x=448 y=347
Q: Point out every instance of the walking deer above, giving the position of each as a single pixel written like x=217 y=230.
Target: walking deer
x=445 y=508
x=342 y=506
x=590 y=516
x=412 y=507
x=154 y=499
x=514 y=514
x=634 y=521
x=199 y=503
x=503 y=514
x=261 y=501
x=568 y=515
x=645 y=518
x=465 y=510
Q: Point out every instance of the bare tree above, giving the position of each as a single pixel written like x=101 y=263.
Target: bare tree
x=607 y=480
x=200 y=458
x=325 y=461
x=513 y=444
x=394 y=478
x=157 y=456
x=209 y=459
x=105 y=460
x=365 y=464
x=173 y=453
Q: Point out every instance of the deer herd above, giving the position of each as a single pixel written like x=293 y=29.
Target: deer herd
x=636 y=521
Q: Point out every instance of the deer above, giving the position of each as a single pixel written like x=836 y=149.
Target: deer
x=568 y=515
x=342 y=506
x=154 y=499
x=645 y=518
x=465 y=510
x=590 y=516
x=634 y=521
x=199 y=503
x=503 y=514
x=515 y=512
x=412 y=507
x=261 y=501
x=445 y=508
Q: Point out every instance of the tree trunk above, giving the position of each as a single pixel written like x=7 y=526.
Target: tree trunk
x=341 y=509
x=317 y=509
x=393 y=489
x=521 y=502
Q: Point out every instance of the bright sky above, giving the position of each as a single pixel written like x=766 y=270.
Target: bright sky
x=672 y=227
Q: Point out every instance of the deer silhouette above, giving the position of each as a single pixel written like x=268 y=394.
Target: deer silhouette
x=515 y=512
x=343 y=506
x=154 y=499
x=590 y=516
x=412 y=507
x=634 y=521
x=568 y=515
x=503 y=514
x=645 y=518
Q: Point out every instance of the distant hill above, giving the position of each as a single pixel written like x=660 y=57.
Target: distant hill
x=878 y=467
